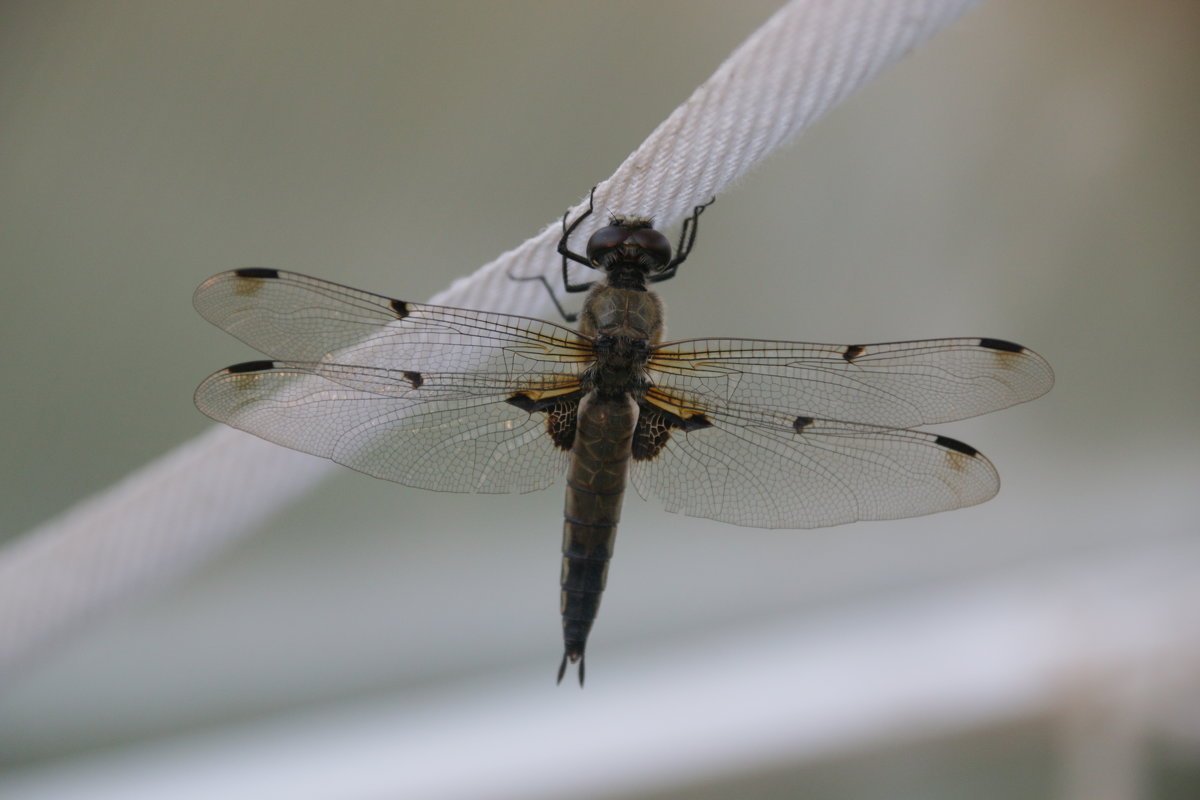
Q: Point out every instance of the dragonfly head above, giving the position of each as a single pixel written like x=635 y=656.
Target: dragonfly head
x=629 y=242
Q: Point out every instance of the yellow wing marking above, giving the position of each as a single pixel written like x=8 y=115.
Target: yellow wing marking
x=550 y=389
x=674 y=404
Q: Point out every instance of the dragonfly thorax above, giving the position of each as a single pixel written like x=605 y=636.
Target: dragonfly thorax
x=619 y=368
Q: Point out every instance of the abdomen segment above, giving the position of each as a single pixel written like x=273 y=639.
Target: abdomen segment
x=595 y=489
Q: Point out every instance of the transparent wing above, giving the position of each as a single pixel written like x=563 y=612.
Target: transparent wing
x=766 y=469
x=292 y=317
x=892 y=385
x=418 y=394
x=433 y=430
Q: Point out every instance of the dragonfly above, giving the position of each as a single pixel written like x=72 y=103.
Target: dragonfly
x=765 y=434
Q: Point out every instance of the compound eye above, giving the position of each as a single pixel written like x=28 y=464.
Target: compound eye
x=655 y=245
x=605 y=239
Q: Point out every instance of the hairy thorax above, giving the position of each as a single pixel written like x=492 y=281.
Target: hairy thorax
x=623 y=313
x=625 y=324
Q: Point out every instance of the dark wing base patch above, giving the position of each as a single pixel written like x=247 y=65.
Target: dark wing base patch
x=561 y=412
x=654 y=427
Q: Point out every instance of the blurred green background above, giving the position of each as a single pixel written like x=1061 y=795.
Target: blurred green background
x=1030 y=174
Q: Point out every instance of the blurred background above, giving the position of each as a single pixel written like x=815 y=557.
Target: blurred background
x=1030 y=174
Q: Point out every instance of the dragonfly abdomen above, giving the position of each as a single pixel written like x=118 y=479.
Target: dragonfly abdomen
x=595 y=488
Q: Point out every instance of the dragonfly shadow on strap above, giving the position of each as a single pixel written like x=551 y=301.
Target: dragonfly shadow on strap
x=687 y=238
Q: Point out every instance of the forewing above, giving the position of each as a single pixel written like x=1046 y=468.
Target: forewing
x=292 y=317
x=433 y=430
x=892 y=385
x=765 y=469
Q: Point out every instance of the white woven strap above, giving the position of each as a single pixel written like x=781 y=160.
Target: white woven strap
x=174 y=513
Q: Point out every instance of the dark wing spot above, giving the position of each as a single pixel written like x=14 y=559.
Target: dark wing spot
x=400 y=307
x=956 y=445
x=561 y=418
x=651 y=433
x=654 y=428
x=250 y=366
x=415 y=379
x=800 y=423
x=1000 y=344
x=853 y=352
x=257 y=272
x=561 y=414
x=523 y=402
